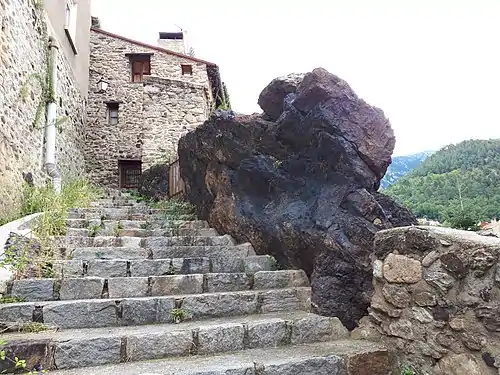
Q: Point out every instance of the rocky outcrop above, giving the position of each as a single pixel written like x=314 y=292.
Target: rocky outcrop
x=302 y=188
x=154 y=182
x=437 y=299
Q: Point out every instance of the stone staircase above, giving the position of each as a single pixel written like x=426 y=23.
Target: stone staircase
x=133 y=293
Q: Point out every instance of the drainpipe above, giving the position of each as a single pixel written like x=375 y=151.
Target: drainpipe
x=50 y=127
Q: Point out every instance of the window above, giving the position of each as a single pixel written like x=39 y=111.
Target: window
x=112 y=113
x=187 y=70
x=70 y=22
x=130 y=173
x=141 y=66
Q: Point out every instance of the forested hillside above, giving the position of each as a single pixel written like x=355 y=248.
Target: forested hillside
x=458 y=182
x=401 y=166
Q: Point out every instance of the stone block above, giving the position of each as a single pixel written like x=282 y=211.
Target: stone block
x=269 y=333
x=81 y=314
x=227 y=282
x=313 y=328
x=228 y=264
x=33 y=289
x=177 y=284
x=283 y=300
x=72 y=268
x=149 y=267
x=107 y=268
x=16 y=312
x=459 y=364
x=438 y=277
x=87 y=352
x=151 y=310
x=123 y=287
x=396 y=295
x=280 y=279
x=191 y=265
x=222 y=338
x=331 y=365
x=130 y=241
x=159 y=345
x=81 y=288
x=220 y=305
x=258 y=263
x=401 y=269
x=373 y=361
x=107 y=241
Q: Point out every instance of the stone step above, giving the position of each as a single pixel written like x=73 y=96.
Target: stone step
x=32 y=290
x=171 y=232
x=88 y=253
x=155 y=310
x=158 y=267
x=156 y=223
x=72 y=242
x=342 y=357
x=127 y=213
x=84 y=347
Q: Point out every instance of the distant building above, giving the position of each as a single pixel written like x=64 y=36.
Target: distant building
x=121 y=105
x=153 y=96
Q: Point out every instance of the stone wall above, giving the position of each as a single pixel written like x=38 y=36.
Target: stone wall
x=23 y=44
x=437 y=299
x=153 y=115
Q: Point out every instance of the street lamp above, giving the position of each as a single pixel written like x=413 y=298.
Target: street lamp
x=102 y=85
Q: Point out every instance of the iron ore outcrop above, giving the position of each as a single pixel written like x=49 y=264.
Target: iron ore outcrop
x=300 y=182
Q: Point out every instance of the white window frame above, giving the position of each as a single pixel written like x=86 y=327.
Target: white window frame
x=71 y=12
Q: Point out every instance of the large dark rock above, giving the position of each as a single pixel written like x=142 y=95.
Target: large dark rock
x=302 y=188
x=154 y=182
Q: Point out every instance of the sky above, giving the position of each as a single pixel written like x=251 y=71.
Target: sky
x=432 y=66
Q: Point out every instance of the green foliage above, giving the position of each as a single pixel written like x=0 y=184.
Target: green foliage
x=117 y=229
x=458 y=185
x=179 y=315
x=15 y=363
x=407 y=370
x=94 y=230
x=34 y=327
x=52 y=222
x=74 y=194
x=11 y=300
x=176 y=209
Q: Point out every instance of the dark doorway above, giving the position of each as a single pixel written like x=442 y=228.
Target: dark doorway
x=130 y=173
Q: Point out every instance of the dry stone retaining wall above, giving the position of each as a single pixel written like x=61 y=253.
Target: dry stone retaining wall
x=22 y=55
x=437 y=299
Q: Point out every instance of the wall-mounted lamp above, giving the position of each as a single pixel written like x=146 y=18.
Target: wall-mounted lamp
x=102 y=85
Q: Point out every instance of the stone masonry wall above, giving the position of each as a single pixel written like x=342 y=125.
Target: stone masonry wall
x=22 y=55
x=437 y=299
x=153 y=115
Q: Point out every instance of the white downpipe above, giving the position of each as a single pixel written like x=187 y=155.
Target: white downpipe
x=50 y=127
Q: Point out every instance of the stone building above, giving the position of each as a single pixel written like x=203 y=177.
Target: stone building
x=151 y=97
x=26 y=26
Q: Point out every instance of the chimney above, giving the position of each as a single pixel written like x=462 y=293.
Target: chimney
x=174 y=41
x=96 y=22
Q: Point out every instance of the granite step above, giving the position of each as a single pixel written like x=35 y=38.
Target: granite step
x=72 y=242
x=340 y=357
x=95 y=313
x=154 y=223
x=169 y=232
x=116 y=213
x=159 y=267
x=32 y=290
x=88 y=253
x=84 y=347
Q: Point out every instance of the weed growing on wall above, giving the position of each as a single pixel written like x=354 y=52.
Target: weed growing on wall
x=33 y=257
